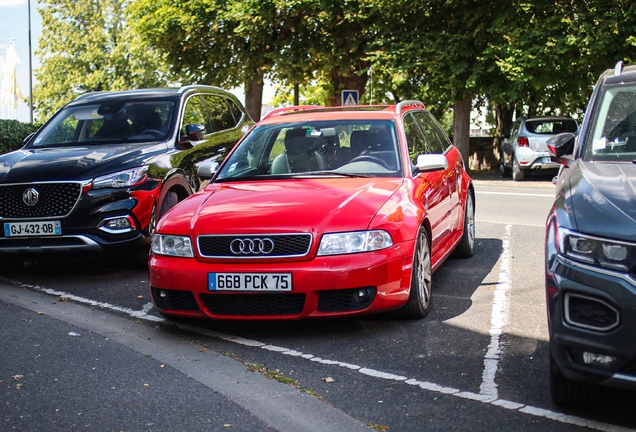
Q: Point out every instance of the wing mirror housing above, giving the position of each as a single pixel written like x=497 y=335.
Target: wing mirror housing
x=195 y=132
x=206 y=170
x=430 y=162
x=561 y=145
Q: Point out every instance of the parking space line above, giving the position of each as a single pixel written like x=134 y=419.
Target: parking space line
x=427 y=386
x=515 y=194
x=498 y=319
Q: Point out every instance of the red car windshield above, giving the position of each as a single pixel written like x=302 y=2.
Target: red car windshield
x=339 y=148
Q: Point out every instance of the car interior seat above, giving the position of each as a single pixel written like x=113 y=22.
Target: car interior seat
x=113 y=129
x=300 y=154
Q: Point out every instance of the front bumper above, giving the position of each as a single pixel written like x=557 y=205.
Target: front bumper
x=322 y=286
x=592 y=323
x=84 y=229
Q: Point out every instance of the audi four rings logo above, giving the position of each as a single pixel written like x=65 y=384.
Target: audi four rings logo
x=30 y=197
x=255 y=246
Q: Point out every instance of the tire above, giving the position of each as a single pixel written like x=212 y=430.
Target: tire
x=517 y=172
x=419 y=302
x=170 y=200
x=466 y=246
x=504 y=170
x=565 y=391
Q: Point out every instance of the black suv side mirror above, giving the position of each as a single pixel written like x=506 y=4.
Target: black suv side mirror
x=195 y=132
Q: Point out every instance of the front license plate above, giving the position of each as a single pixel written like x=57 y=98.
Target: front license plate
x=260 y=282
x=23 y=229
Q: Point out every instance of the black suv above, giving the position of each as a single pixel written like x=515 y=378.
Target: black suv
x=99 y=174
x=591 y=246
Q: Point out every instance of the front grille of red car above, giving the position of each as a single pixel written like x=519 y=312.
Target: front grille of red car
x=254 y=304
x=174 y=300
x=344 y=300
x=229 y=246
x=53 y=200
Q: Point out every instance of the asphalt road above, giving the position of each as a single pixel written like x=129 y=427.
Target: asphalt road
x=83 y=349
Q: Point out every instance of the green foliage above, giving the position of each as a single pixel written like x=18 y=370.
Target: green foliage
x=89 y=46
x=13 y=133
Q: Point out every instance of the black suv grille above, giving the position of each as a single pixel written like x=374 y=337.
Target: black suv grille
x=53 y=200
x=254 y=304
x=254 y=246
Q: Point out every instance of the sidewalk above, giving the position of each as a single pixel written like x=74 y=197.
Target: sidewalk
x=64 y=366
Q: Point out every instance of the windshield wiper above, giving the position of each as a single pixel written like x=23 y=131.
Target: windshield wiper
x=331 y=173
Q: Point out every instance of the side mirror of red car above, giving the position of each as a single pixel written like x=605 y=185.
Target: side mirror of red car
x=430 y=162
x=206 y=170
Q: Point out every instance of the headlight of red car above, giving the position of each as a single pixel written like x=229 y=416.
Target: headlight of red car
x=354 y=242
x=172 y=245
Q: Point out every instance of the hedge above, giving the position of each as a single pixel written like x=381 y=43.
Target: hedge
x=13 y=133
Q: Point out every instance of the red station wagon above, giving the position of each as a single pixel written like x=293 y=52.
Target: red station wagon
x=318 y=212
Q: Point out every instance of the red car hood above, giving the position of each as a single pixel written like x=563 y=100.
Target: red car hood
x=299 y=205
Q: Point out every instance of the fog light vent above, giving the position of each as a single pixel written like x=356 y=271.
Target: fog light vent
x=117 y=225
x=590 y=313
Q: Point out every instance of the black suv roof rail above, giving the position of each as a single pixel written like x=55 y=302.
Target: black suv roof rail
x=408 y=103
x=618 y=69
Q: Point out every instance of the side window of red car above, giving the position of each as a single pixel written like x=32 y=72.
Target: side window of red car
x=434 y=134
x=415 y=139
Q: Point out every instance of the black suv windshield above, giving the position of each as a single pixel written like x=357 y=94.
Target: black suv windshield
x=365 y=148
x=612 y=136
x=113 y=121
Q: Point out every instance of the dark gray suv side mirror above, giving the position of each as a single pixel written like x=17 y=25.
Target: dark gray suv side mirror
x=561 y=145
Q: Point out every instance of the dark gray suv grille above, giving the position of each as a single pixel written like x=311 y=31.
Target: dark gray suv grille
x=283 y=245
x=54 y=200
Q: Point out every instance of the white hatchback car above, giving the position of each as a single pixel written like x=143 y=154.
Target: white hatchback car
x=525 y=148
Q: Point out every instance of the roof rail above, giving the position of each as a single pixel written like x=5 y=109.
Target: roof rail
x=618 y=69
x=290 y=109
x=406 y=103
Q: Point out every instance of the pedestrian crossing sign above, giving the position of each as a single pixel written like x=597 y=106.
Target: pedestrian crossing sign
x=349 y=97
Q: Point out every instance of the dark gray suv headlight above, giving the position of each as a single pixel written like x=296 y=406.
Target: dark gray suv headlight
x=598 y=251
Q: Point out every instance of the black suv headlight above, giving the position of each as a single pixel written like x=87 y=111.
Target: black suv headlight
x=598 y=251
x=121 y=179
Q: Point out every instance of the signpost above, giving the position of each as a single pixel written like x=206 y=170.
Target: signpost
x=349 y=97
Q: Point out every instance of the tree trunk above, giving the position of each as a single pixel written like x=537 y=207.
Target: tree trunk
x=350 y=82
x=254 y=97
x=503 y=123
x=461 y=127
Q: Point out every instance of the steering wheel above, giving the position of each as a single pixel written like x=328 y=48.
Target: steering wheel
x=369 y=158
x=154 y=132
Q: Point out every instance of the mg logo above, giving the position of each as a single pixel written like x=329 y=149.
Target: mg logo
x=30 y=197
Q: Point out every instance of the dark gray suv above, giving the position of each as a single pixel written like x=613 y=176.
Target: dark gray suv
x=590 y=246
x=101 y=172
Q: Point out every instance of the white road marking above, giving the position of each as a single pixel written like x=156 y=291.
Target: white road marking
x=498 y=319
x=516 y=194
x=428 y=386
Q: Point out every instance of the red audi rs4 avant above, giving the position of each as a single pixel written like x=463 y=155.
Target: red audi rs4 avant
x=318 y=212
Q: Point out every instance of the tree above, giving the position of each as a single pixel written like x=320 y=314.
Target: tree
x=88 y=46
